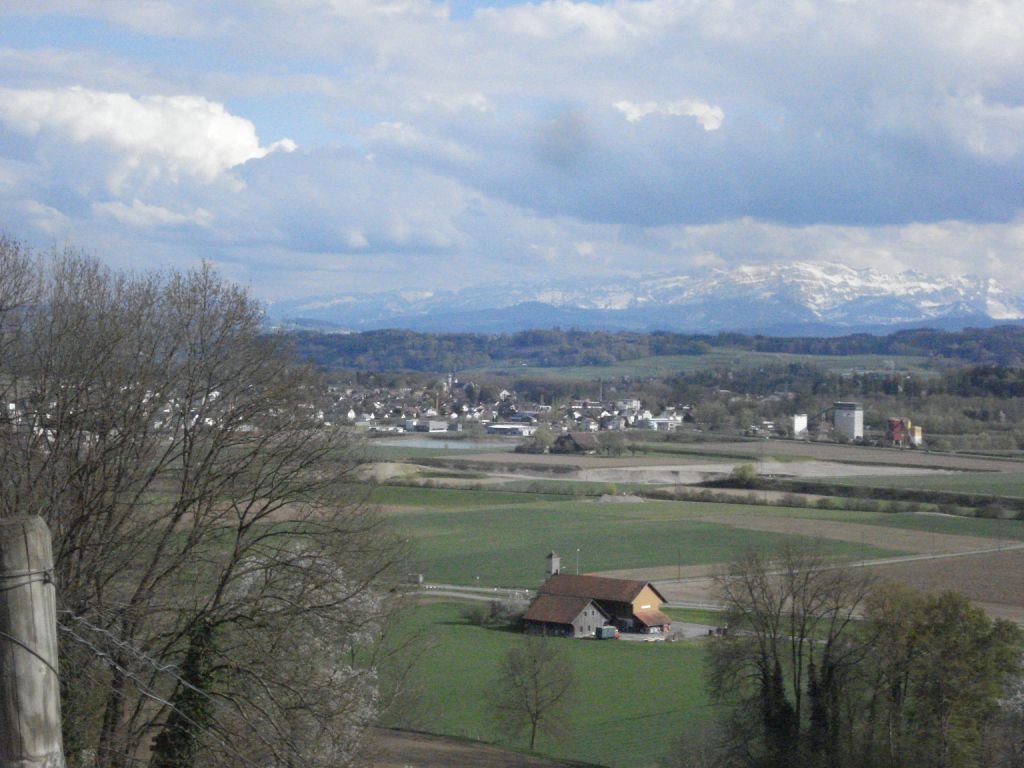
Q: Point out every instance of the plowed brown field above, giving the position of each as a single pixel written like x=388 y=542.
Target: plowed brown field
x=402 y=749
x=993 y=580
x=988 y=571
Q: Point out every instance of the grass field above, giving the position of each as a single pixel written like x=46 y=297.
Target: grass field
x=511 y=491
x=448 y=498
x=504 y=545
x=949 y=524
x=987 y=483
x=633 y=697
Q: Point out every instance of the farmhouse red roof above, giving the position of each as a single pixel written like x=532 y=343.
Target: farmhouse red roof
x=557 y=609
x=596 y=587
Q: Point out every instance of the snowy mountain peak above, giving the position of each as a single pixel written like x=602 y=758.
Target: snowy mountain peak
x=748 y=297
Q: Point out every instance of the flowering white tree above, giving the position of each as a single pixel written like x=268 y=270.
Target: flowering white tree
x=215 y=573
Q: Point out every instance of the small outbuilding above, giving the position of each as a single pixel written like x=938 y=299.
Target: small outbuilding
x=576 y=442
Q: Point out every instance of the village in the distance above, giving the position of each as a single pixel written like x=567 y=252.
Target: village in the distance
x=511 y=384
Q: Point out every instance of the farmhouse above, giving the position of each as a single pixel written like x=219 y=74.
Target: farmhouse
x=565 y=615
x=577 y=606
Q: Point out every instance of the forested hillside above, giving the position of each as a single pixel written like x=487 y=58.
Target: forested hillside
x=407 y=350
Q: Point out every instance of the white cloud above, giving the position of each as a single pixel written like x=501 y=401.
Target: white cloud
x=967 y=123
x=558 y=18
x=154 y=17
x=408 y=138
x=710 y=116
x=356 y=240
x=992 y=131
x=867 y=131
x=8 y=178
x=457 y=102
x=139 y=214
x=43 y=218
x=387 y=8
x=549 y=253
x=154 y=136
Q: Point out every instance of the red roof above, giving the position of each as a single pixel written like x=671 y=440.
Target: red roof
x=558 y=609
x=597 y=588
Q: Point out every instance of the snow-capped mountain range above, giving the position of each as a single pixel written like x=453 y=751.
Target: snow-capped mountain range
x=802 y=297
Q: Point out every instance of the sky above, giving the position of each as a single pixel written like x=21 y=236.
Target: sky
x=319 y=147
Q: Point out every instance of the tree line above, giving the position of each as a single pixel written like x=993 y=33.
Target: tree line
x=385 y=350
x=821 y=666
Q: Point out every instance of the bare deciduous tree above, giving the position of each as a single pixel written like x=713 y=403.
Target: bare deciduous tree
x=216 y=576
x=916 y=680
x=535 y=689
x=790 y=651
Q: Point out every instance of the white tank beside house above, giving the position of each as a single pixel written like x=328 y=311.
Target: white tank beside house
x=848 y=420
x=800 y=425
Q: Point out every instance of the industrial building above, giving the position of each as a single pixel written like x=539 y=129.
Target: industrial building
x=900 y=433
x=848 y=420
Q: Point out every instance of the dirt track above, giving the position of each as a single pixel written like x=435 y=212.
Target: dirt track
x=402 y=749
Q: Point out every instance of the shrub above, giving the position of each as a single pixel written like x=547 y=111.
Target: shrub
x=494 y=613
x=743 y=475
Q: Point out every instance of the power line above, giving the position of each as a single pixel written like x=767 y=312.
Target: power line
x=32 y=651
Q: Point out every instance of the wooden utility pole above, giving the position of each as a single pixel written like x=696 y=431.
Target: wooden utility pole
x=29 y=687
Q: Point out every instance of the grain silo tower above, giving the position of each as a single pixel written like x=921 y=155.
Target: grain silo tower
x=848 y=420
x=554 y=565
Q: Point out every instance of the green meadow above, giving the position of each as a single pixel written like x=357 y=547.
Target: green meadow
x=417 y=497
x=633 y=698
x=666 y=365
x=949 y=524
x=504 y=545
x=987 y=483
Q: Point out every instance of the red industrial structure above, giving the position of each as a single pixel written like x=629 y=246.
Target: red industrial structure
x=902 y=434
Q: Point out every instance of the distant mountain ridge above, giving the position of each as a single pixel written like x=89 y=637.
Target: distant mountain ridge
x=787 y=299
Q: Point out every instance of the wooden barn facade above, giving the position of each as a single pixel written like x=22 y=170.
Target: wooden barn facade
x=577 y=606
